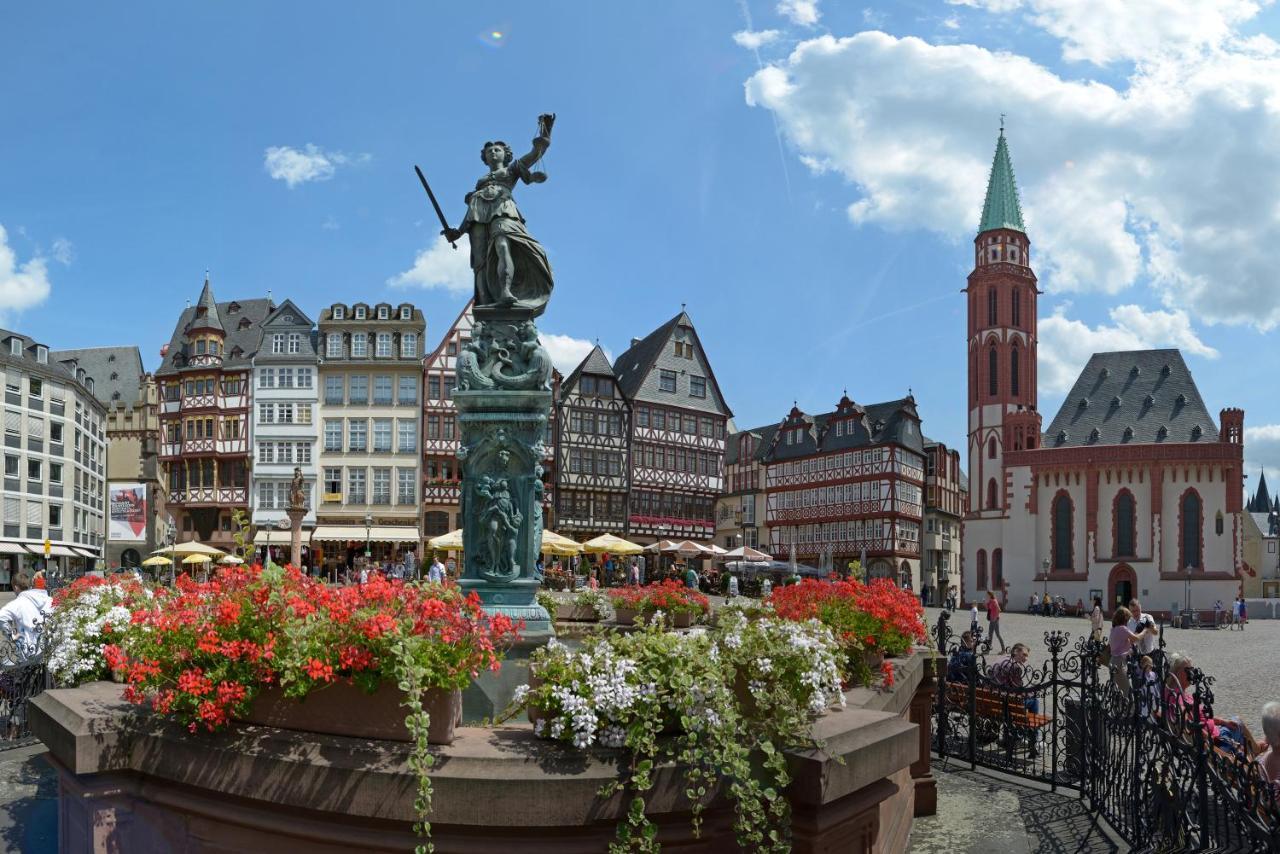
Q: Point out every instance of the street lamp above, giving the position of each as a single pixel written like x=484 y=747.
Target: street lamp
x=368 y=550
x=1044 y=575
x=1186 y=585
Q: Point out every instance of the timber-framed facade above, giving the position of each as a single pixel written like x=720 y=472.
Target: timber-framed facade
x=593 y=426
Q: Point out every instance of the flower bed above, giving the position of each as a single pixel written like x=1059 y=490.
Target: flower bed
x=870 y=620
x=89 y=614
x=722 y=704
x=202 y=652
x=676 y=602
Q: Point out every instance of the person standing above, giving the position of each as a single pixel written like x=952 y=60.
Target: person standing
x=973 y=618
x=1122 y=643
x=1145 y=627
x=635 y=573
x=993 y=620
x=766 y=587
x=691 y=577
x=22 y=618
x=733 y=586
x=1095 y=619
x=1033 y=606
x=436 y=573
x=1244 y=612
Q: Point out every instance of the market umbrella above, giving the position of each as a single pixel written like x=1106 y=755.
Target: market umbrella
x=190 y=548
x=555 y=544
x=716 y=550
x=748 y=554
x=612 y=545
x=687 y=548
x=157 y=560
x=661 y=546
x=196 y=559
x=231 y=559
x=450 y=542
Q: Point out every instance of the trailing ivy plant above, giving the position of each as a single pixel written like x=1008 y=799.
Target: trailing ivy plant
x=411 y=677
x=690 y=699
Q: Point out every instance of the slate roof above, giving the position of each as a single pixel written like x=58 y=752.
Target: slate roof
x=1263 y=521
x=28 y=362
x=1132 y=397
x=596 y=362
x=763 y=434
x=116 y=371
x=1002 y=209
x=890 y=422
x=632 y=366
x=229 y=316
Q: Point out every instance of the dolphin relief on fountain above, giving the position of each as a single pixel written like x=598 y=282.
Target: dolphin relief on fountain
x=503 y=399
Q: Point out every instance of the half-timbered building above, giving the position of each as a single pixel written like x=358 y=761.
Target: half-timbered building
x=204 y=414
x=945 y=498
x=740 y=511
x=848 y=485
x=677 y=438
x=593 y=426
x=1132 y=491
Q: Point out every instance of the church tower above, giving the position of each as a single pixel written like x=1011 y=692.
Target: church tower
x=1002 y=342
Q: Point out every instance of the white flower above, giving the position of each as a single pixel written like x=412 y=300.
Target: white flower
x=540 y=727
x=521 y=692
x=765 y=665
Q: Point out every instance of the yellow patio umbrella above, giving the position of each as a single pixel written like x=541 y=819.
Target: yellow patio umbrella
x=157 y=560
x=561 y=546
x=608 y=543
x=196 y=559
x=191 y=548
x=450 y=542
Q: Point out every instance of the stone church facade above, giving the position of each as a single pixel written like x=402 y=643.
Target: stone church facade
x=1132 y=491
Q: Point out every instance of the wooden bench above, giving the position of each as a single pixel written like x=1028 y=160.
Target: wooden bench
x=996 y=705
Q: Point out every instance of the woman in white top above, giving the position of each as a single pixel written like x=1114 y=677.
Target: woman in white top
x=1095 y=619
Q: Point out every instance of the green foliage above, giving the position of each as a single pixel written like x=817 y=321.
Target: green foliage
x=243 y=534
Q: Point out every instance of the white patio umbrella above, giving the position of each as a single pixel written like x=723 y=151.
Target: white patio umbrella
x=746 y=553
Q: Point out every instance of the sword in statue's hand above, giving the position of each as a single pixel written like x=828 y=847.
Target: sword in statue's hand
x=432 y=196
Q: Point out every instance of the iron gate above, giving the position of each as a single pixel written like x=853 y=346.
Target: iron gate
x=1140 y=758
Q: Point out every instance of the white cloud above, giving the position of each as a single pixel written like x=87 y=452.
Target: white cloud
x=21 y=285
x=330 y=223
x=754 y=40
x=439 y=266
x=62 y=251
x=566 y=351
x=1169 y=179
x=311 y=163
x=1065 y=345
x=1262 y=451
x=1106 y=31
x=802 y=12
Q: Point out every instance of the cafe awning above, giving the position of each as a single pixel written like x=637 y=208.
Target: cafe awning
x=281 y=538
x=12 y=549
x=54 y=551
x=376 y=534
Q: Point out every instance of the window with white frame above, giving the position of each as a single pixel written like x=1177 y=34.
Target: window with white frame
x=284 y=413
x=284 y=452
x=361 y=312
x=278 y=343
x=407 y=435
x=382 y=486
x=383 y=345
x=407 y=486
x=304 y=453
x=406 y=313
x=408 y=345
x=266 y=378
x=333 y=389
x=304 y=377
x=406 y=390
x=266 y=413
x=359 y=345
x=382 y=390
x=266 y=495
x=384 y=312
x=357 y=434
x=355 y=486
x=333 y=481
x=304 y=413
x=266 y=452
x=295 y=342
x=339 y=312
x=285 y=378
x=382 y=435
x=358 y=389
x=333 y=345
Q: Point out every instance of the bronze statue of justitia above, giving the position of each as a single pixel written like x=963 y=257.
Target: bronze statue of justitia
x=511 y=268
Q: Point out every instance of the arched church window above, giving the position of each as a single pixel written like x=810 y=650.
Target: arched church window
x=1017 y=307
x=1013 y=370
x=1062 y=520
x=997 y=568
x=993 y=372
x=991 y=448
x=992 y=495
x=1126 y=522
x=1191 y=521
x=982 y=569
x=991 y=306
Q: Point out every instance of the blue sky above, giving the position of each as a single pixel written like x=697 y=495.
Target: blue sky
x=808 y=189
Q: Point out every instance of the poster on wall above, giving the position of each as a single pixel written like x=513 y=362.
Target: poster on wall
x=128 y=512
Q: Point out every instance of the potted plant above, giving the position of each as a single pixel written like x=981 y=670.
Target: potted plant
x=88 y=614
x=679 y=605
x=586 y=606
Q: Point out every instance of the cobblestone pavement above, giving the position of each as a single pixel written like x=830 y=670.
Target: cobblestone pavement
x=1245 y=664
x=984 y=814
x=28 y=801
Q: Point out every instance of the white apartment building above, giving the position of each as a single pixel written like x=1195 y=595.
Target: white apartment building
x=370 y=372
x=284 y=430
x=55 y=458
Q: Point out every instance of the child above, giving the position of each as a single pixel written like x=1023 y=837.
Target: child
x=1149 y=688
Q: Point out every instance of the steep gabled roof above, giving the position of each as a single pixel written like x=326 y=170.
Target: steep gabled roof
x=241 y=338
x=634 y=365
x=1002 y=208
x=448 y=333
x=116 y=371
x=288 y=307
x=764 y=435
x=1132 y=397
x=596 y=362
x=206 y=313
x=890 y=422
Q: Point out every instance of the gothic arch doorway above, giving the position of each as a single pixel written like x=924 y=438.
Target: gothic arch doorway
x=1122 y=585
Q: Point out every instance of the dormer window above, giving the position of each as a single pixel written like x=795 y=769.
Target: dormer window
x=1115 y=402
x=42 y=354
x=361 y=312
x=1148 y=401
x=1196 y=432
x=1128 y=434
x=384 y=312
x=15 y=346
x=406 y=312
x=1093 y=435
x=1164 y=371
x=1084 y=403
x=114 y=375
x=288 y=318
x=1162 y=433
x=1062 y=436
x=88 y=383
x=244 y=323
x=1181 y=400
x=233 y=308
x=339 y=312
x=111 y=358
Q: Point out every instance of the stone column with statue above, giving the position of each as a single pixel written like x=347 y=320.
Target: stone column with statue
x=296 y=511
x=503 y=398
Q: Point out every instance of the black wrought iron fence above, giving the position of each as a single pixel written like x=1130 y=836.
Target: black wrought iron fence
x=23 y=674
x=1144 y=752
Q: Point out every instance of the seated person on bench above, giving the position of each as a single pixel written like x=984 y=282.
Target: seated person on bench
x=1007 y=673
x=1179 y=698
x=961 y=663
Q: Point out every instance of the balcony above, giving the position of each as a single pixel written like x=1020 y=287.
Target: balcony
x=219 y=496
x=205 y=360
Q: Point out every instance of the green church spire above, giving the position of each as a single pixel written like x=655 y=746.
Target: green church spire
x=1001 y=208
